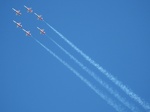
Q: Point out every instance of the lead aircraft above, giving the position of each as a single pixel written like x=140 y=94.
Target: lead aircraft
x=17 y=11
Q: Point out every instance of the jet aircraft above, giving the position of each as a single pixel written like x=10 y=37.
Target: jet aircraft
x=17 y=11
x=39 y=16
x=27 y=32
x=18 y=24
x=28 y=9
x=41 y=31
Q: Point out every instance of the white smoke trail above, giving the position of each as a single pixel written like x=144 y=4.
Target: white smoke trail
x=118 y=108
x=105 y=85
x=123 y=87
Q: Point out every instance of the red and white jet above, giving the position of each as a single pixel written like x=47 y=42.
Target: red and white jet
x=17 y=11
x=41 y=31
x=27 y=32
x=18 y=24
x=39 y=16
x=28 y=9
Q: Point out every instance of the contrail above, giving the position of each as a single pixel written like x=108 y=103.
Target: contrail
x=123 y=87
x=118 y=108
x=108 y=88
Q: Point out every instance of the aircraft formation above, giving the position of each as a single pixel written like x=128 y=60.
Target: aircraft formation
x=29 y=10
x=108 y=87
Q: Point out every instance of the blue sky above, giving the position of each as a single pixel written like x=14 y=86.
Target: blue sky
x=113 y=33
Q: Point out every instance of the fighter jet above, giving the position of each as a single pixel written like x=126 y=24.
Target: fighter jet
x=17 y=11
x=39 y=16
x=41 y=31
x=27 y=32
x=28 y=9
x=18 y=24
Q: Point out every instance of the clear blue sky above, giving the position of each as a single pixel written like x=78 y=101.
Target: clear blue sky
x=116 y=34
